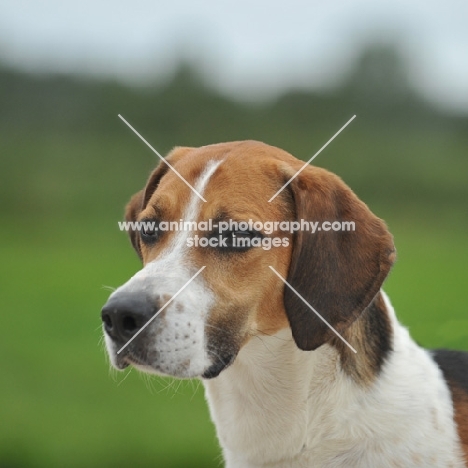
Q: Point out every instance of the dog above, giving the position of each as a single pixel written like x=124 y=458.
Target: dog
x=302 y=358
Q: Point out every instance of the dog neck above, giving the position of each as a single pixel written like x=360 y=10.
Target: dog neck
x=277 y=406
x=262 y=405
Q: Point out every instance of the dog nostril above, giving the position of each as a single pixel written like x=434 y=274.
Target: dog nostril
x=107 y=321
x=129 y=324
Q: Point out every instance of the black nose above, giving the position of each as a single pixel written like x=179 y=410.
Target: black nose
x=125 y=314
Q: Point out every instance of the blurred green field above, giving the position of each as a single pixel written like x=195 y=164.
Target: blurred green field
x=67 y=167
x=61 y=406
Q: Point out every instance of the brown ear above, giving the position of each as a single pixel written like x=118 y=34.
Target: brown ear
x=139 y=201
x=336 y=272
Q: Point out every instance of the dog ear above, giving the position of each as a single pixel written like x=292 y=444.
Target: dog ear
x=139 y=201
x=133 y=208
x=337 y=272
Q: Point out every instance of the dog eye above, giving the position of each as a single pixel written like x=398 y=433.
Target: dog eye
x=149 y=231
x=237 y=241
x=244 y=234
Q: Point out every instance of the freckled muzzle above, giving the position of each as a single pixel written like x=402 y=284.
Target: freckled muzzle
x=157 y=332
x=173 y=343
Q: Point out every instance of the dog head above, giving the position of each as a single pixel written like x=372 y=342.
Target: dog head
x=167 y=320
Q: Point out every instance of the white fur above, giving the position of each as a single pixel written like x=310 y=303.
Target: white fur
x=280 y=407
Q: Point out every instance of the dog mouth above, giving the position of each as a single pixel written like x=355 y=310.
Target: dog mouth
x=121 y=364
x=148 y=366
x=153 y=361
x=126 y=359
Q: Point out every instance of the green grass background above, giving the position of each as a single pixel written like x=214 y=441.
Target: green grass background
x=61 y=405
x=68 y=166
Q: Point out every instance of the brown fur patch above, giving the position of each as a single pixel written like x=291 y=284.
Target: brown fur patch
x=371 y=336
x=454 y=366
x=460 y=405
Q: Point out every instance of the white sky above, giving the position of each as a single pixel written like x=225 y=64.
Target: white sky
x=249 y=47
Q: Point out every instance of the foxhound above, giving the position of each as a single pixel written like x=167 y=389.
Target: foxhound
x=302 y=358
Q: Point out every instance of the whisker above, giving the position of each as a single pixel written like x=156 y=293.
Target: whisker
x=125 y=377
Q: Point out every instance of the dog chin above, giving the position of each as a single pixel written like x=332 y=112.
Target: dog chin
x=180 y=372
x=122 y=362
